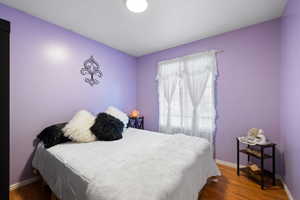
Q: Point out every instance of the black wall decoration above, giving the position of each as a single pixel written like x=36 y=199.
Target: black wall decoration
x=92 y=69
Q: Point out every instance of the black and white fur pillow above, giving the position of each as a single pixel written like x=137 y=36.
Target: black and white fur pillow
x=84 y=127
x=115 y=112
x=53 y=135
x=78 y=128
x=107 y=127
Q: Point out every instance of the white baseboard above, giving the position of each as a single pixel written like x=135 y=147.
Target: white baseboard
x=233 y=165
x=23 y=183
x=289 y=194
x=228 y=164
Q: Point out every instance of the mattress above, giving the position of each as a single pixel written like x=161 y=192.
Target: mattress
x=143 y=165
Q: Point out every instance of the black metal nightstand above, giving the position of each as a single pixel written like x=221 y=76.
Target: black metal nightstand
x=136 y=122
x=258 y=152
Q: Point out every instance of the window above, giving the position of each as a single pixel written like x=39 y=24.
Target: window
x=186 y=95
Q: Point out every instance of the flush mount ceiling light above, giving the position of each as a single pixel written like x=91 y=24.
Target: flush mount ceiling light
x=137 y=6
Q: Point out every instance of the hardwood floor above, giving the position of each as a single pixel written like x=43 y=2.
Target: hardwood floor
x=229 y=187
x=233 y=187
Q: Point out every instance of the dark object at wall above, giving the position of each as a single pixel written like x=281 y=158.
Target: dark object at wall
x=53 y=135
x=107 y=127
x=4 y=119
x=262 y=175
x=91 y=68
x=136 y=122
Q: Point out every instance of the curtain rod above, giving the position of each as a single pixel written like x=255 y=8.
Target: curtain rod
x=163 y=61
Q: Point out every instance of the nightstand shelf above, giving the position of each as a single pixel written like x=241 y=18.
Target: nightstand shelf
x=258 y=152
x=256 y=176
x=136 y=122
x=245 y=151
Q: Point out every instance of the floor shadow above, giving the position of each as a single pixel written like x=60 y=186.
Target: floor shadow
x=214 y=190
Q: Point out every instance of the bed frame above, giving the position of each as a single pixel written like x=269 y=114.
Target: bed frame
x=44 y=184
x=53 y=197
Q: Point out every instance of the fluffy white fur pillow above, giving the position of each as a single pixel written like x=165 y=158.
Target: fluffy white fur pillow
x=78 y=128
x=113 y=111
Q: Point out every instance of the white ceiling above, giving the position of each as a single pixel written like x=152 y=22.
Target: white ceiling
x=166 y=23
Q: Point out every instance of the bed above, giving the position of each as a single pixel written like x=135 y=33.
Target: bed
x=143 y=165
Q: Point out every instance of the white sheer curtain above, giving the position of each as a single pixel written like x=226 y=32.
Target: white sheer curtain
x=186 y=95
x=168 y=76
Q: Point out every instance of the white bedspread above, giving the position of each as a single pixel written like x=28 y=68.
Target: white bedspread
x=143 y=165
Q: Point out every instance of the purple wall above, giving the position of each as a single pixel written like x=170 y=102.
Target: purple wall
x=290 y=95
x=47 y=87
x=247 y=87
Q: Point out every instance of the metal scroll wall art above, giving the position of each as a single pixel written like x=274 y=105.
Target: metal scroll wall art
x=92 y=69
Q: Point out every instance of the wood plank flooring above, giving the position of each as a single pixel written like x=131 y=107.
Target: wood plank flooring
x=233 y=187
x=229 y=187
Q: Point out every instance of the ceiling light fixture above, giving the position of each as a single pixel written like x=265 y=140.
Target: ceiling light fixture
x=137 y=6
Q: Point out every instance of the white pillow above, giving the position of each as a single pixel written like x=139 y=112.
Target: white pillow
x=113 y=111
x=78 y=128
